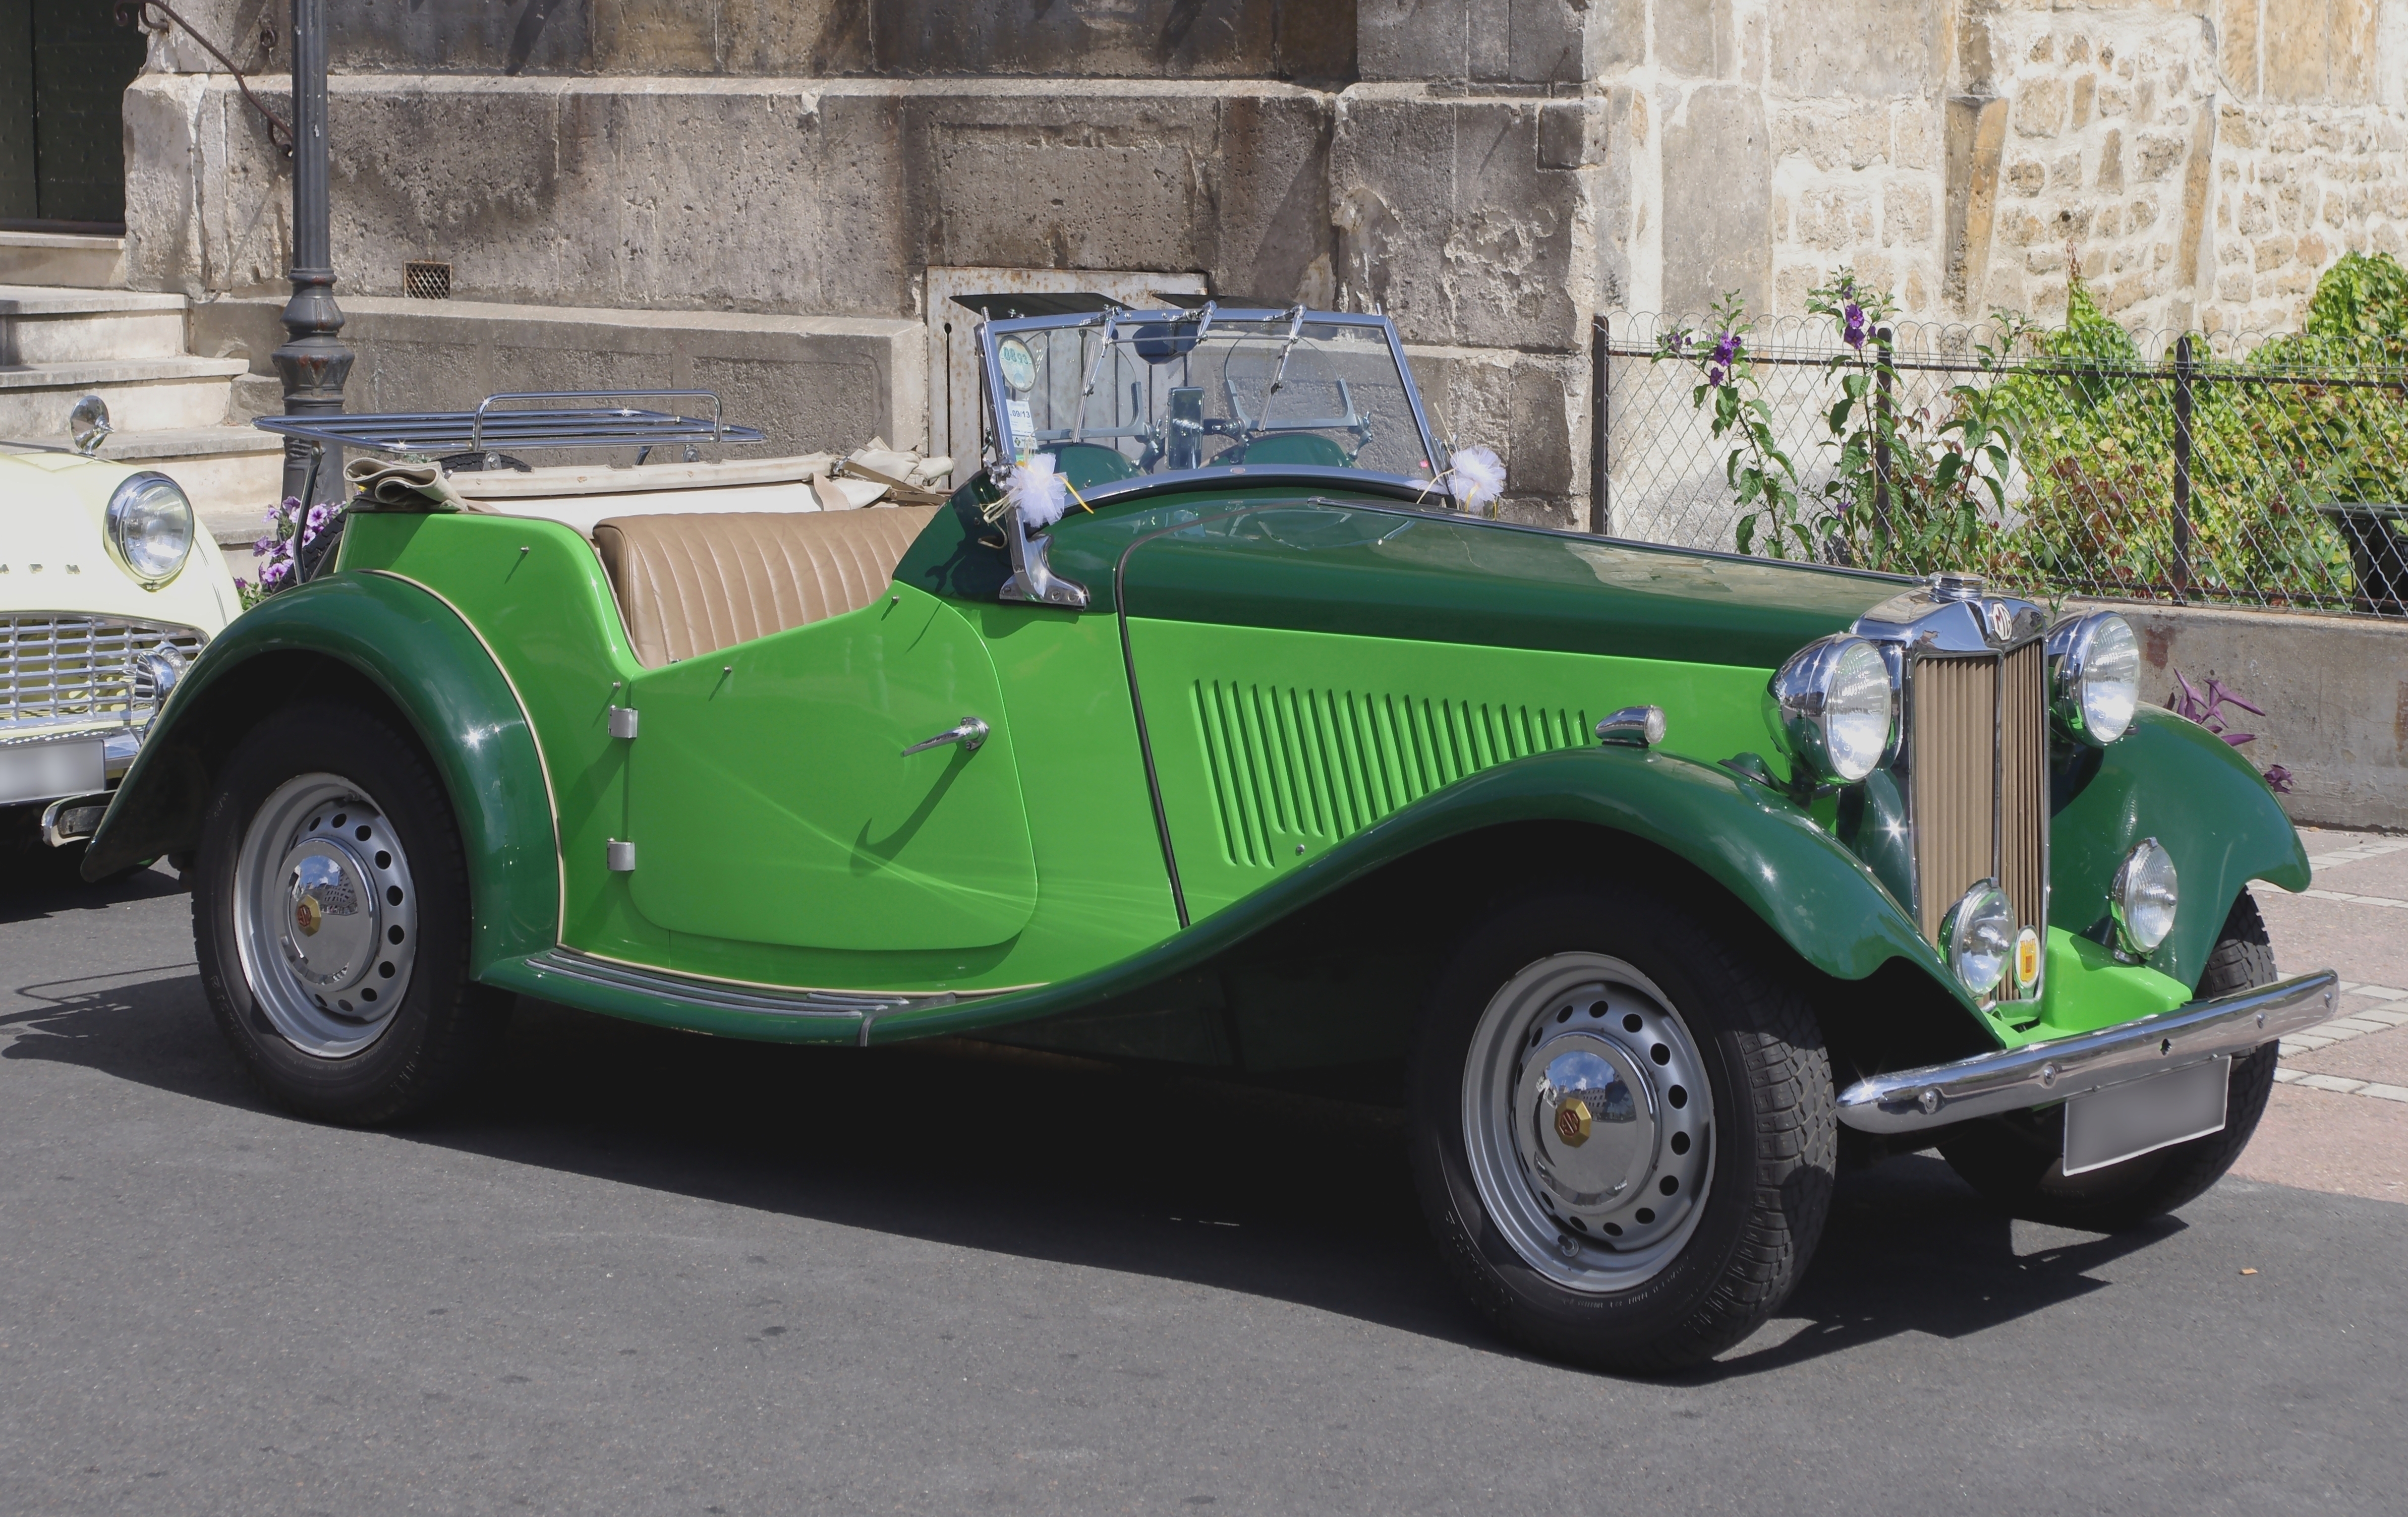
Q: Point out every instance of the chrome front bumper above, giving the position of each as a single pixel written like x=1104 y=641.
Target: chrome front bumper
x=2015 y=1080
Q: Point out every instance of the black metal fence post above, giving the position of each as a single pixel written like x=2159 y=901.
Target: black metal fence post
x=313 y=360
x=1601 y=361
x=2182 y=371
x=1883 y=377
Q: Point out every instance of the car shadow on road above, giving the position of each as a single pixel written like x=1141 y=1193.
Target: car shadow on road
x=1297 y=1197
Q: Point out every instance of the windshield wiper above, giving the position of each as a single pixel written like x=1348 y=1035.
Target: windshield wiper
x=1079 y=424
x=1279 y=374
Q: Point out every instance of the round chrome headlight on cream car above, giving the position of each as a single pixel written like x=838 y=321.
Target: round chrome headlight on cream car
x=2093 y=677
x=150 y=528
x=1837 y=707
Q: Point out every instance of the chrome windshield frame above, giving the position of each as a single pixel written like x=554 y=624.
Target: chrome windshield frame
x=998 y=421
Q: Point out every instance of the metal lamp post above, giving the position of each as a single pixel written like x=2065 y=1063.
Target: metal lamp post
x=313 y=360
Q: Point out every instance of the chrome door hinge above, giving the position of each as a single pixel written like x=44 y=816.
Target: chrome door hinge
x=622 y=722
x=619 y=855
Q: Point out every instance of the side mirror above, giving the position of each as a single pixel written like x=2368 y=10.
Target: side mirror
x=88 y=423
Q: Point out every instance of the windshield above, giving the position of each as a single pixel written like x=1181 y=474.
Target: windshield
x=1128 y=395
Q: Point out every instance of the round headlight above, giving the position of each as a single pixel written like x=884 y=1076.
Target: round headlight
x=2094 y=684
x=150 y=528
x=1980 y=932
x=1836 y=706
x=2146 y=894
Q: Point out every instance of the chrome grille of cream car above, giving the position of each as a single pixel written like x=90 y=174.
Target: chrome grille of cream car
x=75 y=670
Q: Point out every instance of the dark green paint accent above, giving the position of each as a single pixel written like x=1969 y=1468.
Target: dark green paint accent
x=411 y=648
x=2176 y=781
x=1381 y=571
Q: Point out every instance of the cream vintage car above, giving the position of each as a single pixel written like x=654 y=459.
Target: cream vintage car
x=107 y=590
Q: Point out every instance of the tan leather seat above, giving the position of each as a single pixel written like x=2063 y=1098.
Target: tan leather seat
x=689 y=585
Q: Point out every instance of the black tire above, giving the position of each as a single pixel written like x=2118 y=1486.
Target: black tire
x=2017 y=1161
x=444 y=1023
x=1773 y=1140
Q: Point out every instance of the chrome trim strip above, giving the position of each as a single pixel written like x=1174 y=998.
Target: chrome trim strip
x=2040 y=1074
x=720 y=995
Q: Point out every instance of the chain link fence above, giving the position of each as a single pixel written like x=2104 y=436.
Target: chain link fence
x=2246 y=471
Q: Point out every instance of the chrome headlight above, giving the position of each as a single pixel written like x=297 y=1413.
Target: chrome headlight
x=2144 y=897
x=1836 y=706
x=150 y=528
x=1980 y=934
x=2094 y=677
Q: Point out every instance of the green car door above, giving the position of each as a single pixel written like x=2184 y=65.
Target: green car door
x=771 y=800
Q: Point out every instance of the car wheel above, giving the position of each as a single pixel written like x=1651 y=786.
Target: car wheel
x=331 y=919
x=1623 y=1129
x=2017 y=1161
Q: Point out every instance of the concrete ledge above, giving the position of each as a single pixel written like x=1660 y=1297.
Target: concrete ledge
x=2334 y=689
x=809 y=382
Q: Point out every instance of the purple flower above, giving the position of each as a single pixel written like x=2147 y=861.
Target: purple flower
x=275 y=573
x=263 y=546
x=1718 y=367
x=2279 y=780
x=317 y=520
x=1853 y=330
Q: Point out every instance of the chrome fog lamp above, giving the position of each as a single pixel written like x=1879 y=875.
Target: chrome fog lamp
x=2144 y=897
x=2093 y=677
x=1836 y=706
x=150 y=528
x=1980 y=934
x=155 y=673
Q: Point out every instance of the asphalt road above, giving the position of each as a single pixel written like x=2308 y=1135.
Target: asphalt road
x=643 y=1272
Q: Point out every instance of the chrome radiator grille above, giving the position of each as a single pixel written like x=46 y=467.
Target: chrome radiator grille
x=63 y=670
x=1978 y=788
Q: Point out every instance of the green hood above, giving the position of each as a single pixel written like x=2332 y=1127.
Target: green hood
x=1384 y=571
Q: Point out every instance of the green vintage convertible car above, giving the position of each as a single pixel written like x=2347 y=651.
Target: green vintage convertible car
x=1649 y=882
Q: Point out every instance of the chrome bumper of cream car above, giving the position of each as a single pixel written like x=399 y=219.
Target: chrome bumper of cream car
x=2013 y=1080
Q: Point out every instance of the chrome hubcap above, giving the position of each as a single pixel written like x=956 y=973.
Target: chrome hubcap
x=325 y=915
x=1588 y=1121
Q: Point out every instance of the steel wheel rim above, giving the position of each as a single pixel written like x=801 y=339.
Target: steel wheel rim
x=325 y=915
x=1584 y=1098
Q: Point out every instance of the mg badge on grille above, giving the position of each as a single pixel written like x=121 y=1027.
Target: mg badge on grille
x=2027 y=958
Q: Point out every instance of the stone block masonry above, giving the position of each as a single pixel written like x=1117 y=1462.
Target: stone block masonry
x=1492 y=173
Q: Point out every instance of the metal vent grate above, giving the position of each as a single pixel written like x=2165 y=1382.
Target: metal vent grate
x=1289 y=766
x=427 y=281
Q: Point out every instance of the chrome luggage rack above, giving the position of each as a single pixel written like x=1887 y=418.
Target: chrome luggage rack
x=475 y=438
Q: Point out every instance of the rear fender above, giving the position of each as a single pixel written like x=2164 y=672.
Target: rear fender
x=408 y=648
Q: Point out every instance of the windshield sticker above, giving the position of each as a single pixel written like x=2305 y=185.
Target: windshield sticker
x=1023 y=424
x=1018 y=364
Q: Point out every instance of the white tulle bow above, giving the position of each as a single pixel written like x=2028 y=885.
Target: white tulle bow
x=1037 y=493
x=1479 y=477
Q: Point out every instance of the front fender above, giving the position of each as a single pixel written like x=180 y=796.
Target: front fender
x=414 y=650
x=2176 y=781
x=1819 y=897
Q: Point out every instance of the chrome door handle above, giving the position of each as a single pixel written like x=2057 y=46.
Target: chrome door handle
x=971 y=733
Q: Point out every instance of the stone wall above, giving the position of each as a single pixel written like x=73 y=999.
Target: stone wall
x=1493 y=173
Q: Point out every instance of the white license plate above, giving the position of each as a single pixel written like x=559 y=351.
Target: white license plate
x=2124 y=1122
x=46 y=771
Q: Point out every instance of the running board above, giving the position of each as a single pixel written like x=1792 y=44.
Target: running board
x=692 y=1001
